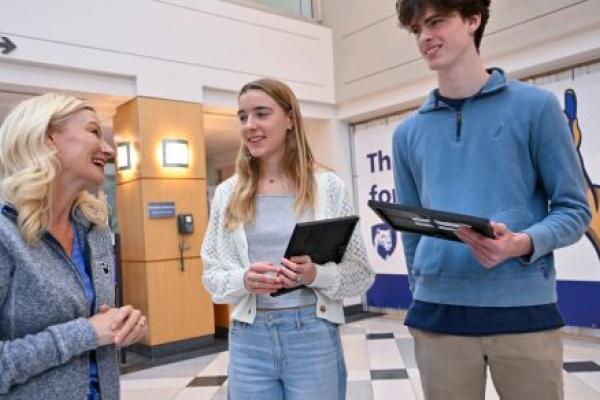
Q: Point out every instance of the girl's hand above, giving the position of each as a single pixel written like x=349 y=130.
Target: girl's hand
x=261 y=278
x=297 y=271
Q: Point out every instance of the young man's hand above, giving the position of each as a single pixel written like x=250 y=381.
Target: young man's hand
x=491 y=252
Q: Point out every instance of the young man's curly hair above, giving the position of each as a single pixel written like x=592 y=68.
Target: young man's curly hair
x=410 y=11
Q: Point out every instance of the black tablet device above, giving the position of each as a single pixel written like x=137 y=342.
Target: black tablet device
x=324 y=240
x=440 y=224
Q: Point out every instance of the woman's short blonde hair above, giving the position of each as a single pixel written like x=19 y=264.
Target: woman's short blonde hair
x=28 y=166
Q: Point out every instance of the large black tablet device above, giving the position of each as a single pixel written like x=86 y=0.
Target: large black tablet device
x=439 y=224
x=324 y=240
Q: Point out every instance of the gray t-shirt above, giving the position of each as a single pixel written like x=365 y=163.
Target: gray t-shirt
x=267 y=239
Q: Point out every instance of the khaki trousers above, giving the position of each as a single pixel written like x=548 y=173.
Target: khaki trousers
x=525 y=366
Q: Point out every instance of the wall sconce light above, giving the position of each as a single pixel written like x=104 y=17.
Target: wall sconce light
x=175 y=153
x=123 y=156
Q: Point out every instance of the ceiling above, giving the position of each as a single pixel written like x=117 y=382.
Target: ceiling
x=104 y=105
x=221 y=133
x=8 y=100
x=221 y=127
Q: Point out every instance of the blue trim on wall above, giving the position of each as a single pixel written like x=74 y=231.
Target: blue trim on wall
x=389 y=291
x=579 y=301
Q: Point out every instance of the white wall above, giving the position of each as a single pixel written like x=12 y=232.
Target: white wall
x=161 y=48
x=378 y=68
x=330 y=142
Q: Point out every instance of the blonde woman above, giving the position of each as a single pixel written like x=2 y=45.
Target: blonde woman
x=285 y=347
x=58 y=327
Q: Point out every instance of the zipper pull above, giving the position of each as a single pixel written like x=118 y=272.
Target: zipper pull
x=458 y=125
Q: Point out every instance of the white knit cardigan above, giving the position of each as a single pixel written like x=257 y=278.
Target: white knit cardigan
x=225 y=256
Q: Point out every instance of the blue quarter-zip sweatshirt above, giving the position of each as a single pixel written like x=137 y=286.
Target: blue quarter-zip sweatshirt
x=508 y=156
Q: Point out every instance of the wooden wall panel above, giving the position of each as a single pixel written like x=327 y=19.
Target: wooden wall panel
x=126 y=129
x=222 y=312
x=131 y=220
x=179 y=306
x=175 y=302
x=161 y=235
x=160 y=119
x=135 y=286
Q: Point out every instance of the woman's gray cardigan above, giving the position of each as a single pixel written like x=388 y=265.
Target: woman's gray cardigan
x=45 y=335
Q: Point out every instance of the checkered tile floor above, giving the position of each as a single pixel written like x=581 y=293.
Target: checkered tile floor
x=380 y=361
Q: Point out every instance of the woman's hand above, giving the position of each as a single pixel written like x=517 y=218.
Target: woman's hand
x=102 y=325
x=261 y=278
x=298 y=270
x=121 y=326
x=131 y=326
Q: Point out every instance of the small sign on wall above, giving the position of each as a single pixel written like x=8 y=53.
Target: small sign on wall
x=165 y=209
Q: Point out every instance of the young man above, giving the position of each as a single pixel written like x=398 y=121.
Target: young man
x=488 y=146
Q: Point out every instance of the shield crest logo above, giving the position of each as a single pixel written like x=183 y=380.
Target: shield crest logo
x=384 y=239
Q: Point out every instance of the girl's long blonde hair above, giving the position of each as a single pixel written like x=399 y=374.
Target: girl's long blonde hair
x=298 y=163
x=28 y=166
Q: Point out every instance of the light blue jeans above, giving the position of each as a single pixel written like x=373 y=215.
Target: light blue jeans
x=286 y=355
